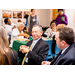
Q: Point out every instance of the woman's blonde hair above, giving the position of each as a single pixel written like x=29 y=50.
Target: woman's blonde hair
x=59 y=26
x=3 y=38
x=4 y=47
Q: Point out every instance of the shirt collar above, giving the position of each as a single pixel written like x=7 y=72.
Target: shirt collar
x=64 y=50
x=37 y=39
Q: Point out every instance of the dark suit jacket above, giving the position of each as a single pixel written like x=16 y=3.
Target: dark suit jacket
x=38 y=53
x=67 y=58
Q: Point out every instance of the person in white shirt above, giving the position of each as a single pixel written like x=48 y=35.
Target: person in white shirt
x=8 y=27
x=18 y=33
x=50 y=32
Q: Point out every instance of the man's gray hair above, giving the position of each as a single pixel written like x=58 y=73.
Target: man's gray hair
x=40 y=27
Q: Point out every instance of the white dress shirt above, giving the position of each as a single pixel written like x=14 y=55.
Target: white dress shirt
x=8 y=29
x=64 y=50
x=14 y=35
x=35 y=41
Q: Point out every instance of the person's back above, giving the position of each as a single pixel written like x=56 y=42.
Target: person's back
x=7 y=56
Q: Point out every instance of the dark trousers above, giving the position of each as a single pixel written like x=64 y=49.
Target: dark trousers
x=53 y=45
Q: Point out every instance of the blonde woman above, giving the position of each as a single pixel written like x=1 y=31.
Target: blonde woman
x=7 y=56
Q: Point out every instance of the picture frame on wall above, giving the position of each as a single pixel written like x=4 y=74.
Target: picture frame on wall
x=17 y=14
x=6 y=13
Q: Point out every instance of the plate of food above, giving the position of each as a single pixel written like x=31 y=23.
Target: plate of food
x=23 y=39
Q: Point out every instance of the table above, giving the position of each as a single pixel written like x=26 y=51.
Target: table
x=17 y=44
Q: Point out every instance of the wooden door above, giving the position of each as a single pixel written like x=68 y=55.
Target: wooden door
x=54 y=13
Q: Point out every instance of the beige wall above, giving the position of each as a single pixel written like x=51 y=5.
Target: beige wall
x=71 y=15
x=44 y=16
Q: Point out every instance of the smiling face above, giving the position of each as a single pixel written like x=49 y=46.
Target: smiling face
x=60 y=12
x=52 y=25
x=36 y=32
x=9 y=22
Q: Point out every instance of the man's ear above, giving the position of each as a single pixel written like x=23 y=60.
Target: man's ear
x=63 y=43
x=41 y=33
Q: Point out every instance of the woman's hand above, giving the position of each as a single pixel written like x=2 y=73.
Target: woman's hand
x=53 y=18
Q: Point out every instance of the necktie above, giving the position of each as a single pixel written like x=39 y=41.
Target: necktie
x=26 y=53
x=58 y=57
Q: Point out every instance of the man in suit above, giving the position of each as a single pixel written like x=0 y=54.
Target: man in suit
x=65 y=41
x=35 y=50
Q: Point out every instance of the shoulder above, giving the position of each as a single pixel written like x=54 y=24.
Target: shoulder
x=14 y=57
x=15 y=29
x=42 y=42
x=29 y=43
x=7 y=26
x=71 y=52
x=13 y=53
x=64 y=15
x=28 y=16
x=49 y=29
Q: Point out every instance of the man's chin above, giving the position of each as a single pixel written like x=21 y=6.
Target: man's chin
x=34 y=38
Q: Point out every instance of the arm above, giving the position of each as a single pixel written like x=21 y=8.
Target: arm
x=28 y=24
x=23 y=34
x=17 y=34
x=20 y=54
x=54 y=19
x=65 y=20
x=8 y=30
x=38 y=20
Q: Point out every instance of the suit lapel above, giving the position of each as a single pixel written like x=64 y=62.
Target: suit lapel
x=54 y=60
x=57 y=60
x=37 y=44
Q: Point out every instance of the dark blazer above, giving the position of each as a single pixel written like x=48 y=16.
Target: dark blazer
x=38 y=53
x=67 y=58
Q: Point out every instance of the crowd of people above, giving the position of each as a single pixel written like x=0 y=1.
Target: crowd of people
x=35 y=51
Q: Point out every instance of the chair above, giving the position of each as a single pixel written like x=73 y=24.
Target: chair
x=57 y=50
x=49 y=56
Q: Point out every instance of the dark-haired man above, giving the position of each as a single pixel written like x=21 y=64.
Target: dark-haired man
x=61 y=18
x=8 y=27
x=65 y=41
